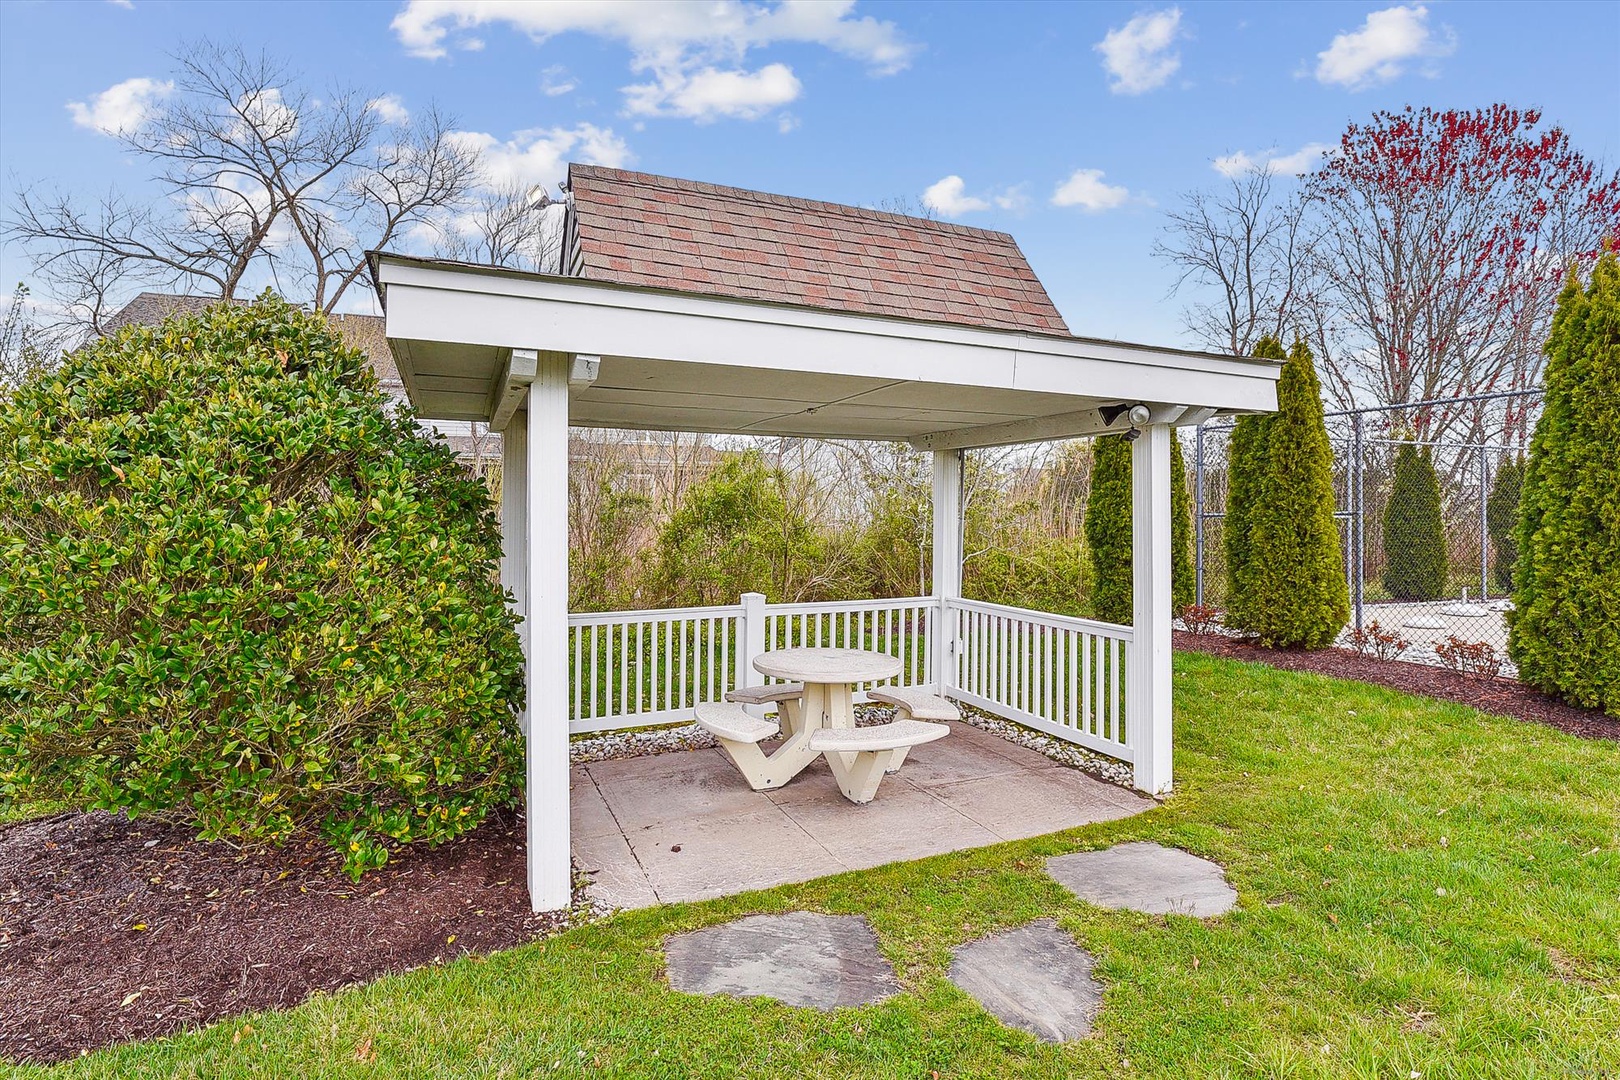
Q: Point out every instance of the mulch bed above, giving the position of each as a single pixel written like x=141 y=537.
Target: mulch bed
x=112 y=930
x=1503 y=697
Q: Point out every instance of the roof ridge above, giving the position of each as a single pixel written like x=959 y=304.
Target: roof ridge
x=794 y=201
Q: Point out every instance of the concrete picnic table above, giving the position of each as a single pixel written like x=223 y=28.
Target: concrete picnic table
x=829 y=677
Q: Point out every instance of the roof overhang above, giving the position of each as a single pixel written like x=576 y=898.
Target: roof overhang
x=465 y=336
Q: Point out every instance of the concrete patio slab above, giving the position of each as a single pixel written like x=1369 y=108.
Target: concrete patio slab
x=617 y=879
x=802 y=958
x=684 y=786
x=732 y=839
x=702 y=858
x=1146 y=877
x=1034 y=978
x=1018 y=805
x=902 y=823
x=588 y=812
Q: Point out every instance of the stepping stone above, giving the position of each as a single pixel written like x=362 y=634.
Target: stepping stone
x=1034 y=978
x=802 y=958
x=1146 y=877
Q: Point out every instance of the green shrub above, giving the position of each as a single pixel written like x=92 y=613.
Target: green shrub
x=733 y=533
x=1564 y=633
x=1288 y=588
x=1245 y=470
x=238 y=589
x=1502 y=520
x=1045 y=573
x=1415 y=559
x=1108 y=530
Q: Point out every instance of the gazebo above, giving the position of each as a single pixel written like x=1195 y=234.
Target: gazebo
x=698 y=308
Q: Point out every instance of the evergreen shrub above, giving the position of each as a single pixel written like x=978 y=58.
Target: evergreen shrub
x=1564 y=631
x=1287 y=585
x=1416 y=564
x=239 y=588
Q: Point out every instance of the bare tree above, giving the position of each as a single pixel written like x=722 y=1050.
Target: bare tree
x=28 y=345
x=1442 y=240
x=261 y=177
x=507 y=225
x=1242 y=245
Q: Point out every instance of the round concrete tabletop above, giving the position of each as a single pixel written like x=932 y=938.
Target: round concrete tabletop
x=828 y=665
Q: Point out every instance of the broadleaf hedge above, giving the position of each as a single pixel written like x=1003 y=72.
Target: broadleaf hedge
x=239 y=588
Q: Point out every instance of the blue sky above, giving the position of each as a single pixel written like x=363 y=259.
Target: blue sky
x=1071 y=126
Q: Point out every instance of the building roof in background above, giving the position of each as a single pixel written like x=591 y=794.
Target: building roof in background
x=637 y=229
x=363 y=332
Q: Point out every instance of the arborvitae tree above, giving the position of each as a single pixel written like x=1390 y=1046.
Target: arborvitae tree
x=1289 y=590
x=1502 y=520
x=1564 y=633
x=1182 y=579
x=1415 y=561
x=1244 y=471
x=1108 y=530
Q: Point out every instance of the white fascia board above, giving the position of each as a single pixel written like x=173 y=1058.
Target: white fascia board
x=465 y=305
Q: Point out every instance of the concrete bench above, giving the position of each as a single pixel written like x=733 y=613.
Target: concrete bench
x=913 y=703
x=787 y=697
x=859 y=757
x=740 y=733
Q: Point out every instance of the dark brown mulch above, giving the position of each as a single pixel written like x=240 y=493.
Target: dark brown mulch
x=112 y=930
x=1504 y=697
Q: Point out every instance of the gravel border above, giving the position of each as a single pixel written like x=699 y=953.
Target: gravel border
x=613 y=745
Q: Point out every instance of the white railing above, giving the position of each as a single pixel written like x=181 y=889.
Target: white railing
x=639 y=668
x=901 y=628
x=1060 y=675
x=634 y=668
x=1057 y=674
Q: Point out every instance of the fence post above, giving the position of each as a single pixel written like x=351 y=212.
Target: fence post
x=1358 y=503
x=1484 y=535
x=751 y=643
x=1198 y=515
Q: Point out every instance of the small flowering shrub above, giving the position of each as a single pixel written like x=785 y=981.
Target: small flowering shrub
x=238 y=589
x=1374 y=640
x=1478 y=659
x=1201 y=618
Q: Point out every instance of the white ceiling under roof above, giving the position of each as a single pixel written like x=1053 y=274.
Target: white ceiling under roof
x=665 y=360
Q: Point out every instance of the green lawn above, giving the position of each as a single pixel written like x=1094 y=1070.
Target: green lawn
x=1341 y=812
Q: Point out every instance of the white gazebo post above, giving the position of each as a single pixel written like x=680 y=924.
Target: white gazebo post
x=1147 y=671
x=546 y=689
x=947 y=563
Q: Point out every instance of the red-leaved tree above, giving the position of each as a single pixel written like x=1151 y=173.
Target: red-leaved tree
x=1441 y=241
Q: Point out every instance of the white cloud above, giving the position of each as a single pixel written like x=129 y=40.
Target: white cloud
x=127 y=5
x=541 y=155
x=1140 y=55
x=121 y=107
x=787 y=122
x=555 y=81
x=1085 y=188
x=1382 y=49
x=947 y=197
x=708 y=94
x=1015 y=198
x=390 y=109
x=693 y=51
x=1302 y=160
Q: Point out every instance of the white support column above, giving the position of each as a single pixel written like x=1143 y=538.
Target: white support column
x=546 y=743
x=1147 y=669
x=515 y=525
x=947 y=566
x=751 y=643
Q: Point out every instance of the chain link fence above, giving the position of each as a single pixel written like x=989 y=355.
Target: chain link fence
x=1426 y=499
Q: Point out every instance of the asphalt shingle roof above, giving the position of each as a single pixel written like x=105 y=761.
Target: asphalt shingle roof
x=638 y=229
